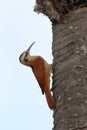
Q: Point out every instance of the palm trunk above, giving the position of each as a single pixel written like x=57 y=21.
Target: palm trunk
x=70 y=71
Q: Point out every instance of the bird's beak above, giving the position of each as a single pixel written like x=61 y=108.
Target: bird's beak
x=28 y=50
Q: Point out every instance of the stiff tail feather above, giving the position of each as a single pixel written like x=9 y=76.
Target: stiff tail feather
x=49 y=98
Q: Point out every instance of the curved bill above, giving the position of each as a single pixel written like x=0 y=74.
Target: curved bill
x=30 y=47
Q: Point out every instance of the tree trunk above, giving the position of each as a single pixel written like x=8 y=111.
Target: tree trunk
x=70 y=71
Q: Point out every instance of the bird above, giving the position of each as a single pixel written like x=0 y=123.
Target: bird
x=41 y=70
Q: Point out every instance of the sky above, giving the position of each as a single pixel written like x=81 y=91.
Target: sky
x=22 y=105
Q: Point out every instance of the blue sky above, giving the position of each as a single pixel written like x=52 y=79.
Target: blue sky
x=22 y=105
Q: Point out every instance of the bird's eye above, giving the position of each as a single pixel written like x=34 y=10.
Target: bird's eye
x=26 y=57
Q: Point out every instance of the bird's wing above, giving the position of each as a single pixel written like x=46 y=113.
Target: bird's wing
x=39 y=70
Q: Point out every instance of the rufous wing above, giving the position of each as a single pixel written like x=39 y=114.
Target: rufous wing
x=38 y=70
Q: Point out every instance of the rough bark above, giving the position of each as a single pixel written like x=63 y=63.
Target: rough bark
x=70 y=71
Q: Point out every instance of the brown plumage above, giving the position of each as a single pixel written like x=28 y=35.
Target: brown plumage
x=41 y=70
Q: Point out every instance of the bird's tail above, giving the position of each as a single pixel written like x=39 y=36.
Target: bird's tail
x=49 y=98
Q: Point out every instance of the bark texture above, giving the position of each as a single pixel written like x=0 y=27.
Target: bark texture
x=70 y=71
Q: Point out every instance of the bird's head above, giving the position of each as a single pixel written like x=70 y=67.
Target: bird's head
x=25 y=58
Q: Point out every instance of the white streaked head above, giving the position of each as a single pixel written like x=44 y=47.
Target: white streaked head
x=25 y=57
